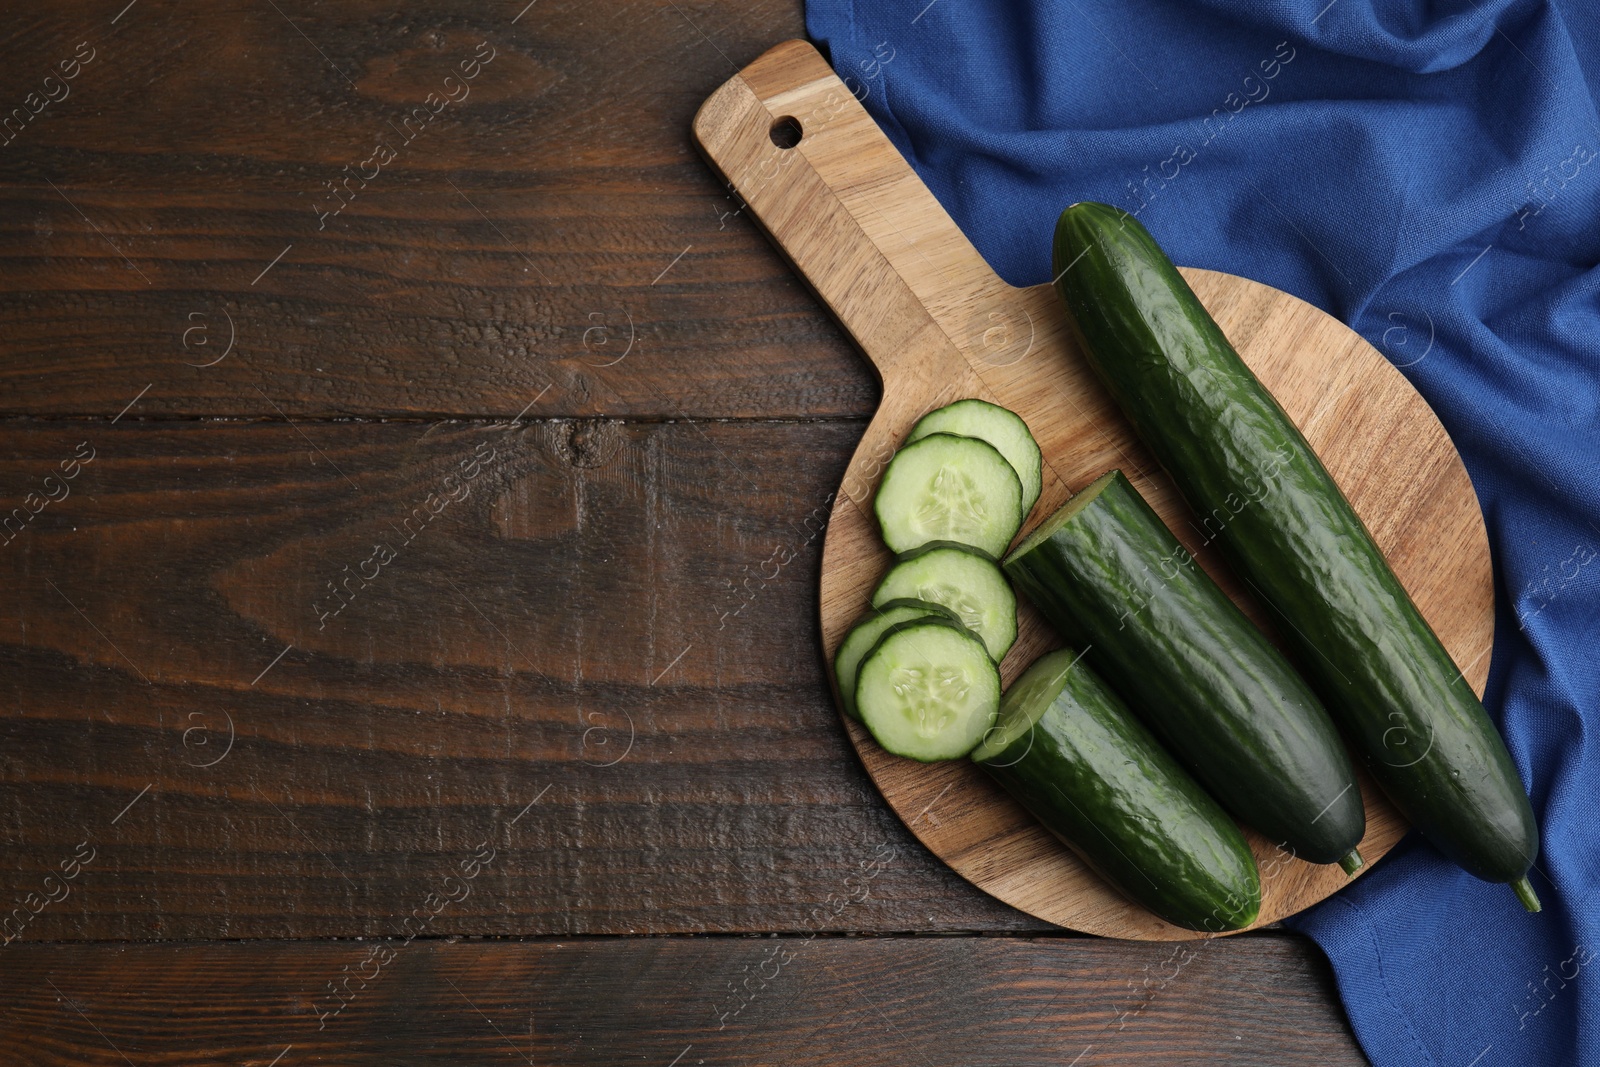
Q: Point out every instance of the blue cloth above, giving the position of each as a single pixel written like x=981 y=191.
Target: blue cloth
x=1426 y=171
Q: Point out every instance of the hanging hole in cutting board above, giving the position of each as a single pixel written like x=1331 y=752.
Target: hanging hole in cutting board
x=786 y=132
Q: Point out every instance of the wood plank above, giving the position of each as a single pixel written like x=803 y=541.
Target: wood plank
x=520 y=237
x=935 y=1001
x=641 y=595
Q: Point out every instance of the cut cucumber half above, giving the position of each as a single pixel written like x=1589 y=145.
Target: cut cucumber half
x=963 y=581
x=928 y=690
x=949 y=488
x=1002 y=428
x=1071 y=753
x=866 y=631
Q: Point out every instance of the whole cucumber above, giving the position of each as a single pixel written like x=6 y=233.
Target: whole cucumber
x=1069 y=751
x=1107 y=574
x=1285 y=527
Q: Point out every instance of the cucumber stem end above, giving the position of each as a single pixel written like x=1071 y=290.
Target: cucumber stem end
x=1351 y=862
x=1525 y=893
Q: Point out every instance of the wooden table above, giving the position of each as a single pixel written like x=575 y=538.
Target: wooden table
x=409 y=535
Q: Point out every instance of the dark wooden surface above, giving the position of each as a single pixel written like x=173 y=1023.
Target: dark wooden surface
x=712 y=1001
x=194 y=147
x=599 y=624
x=580 y=694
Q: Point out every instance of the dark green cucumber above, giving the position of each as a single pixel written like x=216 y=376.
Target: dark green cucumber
x=1069 y=751
x=1103 y=570
x=1284 y=526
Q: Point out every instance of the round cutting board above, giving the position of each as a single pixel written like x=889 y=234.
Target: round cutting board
x=811 y=166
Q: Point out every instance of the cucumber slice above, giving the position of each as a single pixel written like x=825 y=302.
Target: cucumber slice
x=949 y=488
x=928 y=690
x=963 y=581
x=1002 y=428
x=865 y=632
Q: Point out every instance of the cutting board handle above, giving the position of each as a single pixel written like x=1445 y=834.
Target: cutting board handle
x=841 y=203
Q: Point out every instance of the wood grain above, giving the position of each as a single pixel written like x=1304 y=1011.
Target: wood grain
x=606 y=593
x=938 y=324
x=521 y=238
x=934 y=1001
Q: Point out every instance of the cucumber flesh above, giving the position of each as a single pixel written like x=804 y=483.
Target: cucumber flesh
x=1002 y=428
x=963 y=581
x=1071 y=753
x=865 y=632
x=928 y=690
x=949 y=488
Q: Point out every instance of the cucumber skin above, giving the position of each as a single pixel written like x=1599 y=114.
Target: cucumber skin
x=1197 y=672
x=934 y=546
x=1288 y=530
x=1099 y=781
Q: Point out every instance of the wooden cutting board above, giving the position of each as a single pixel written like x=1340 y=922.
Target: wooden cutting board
x=866 y=234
